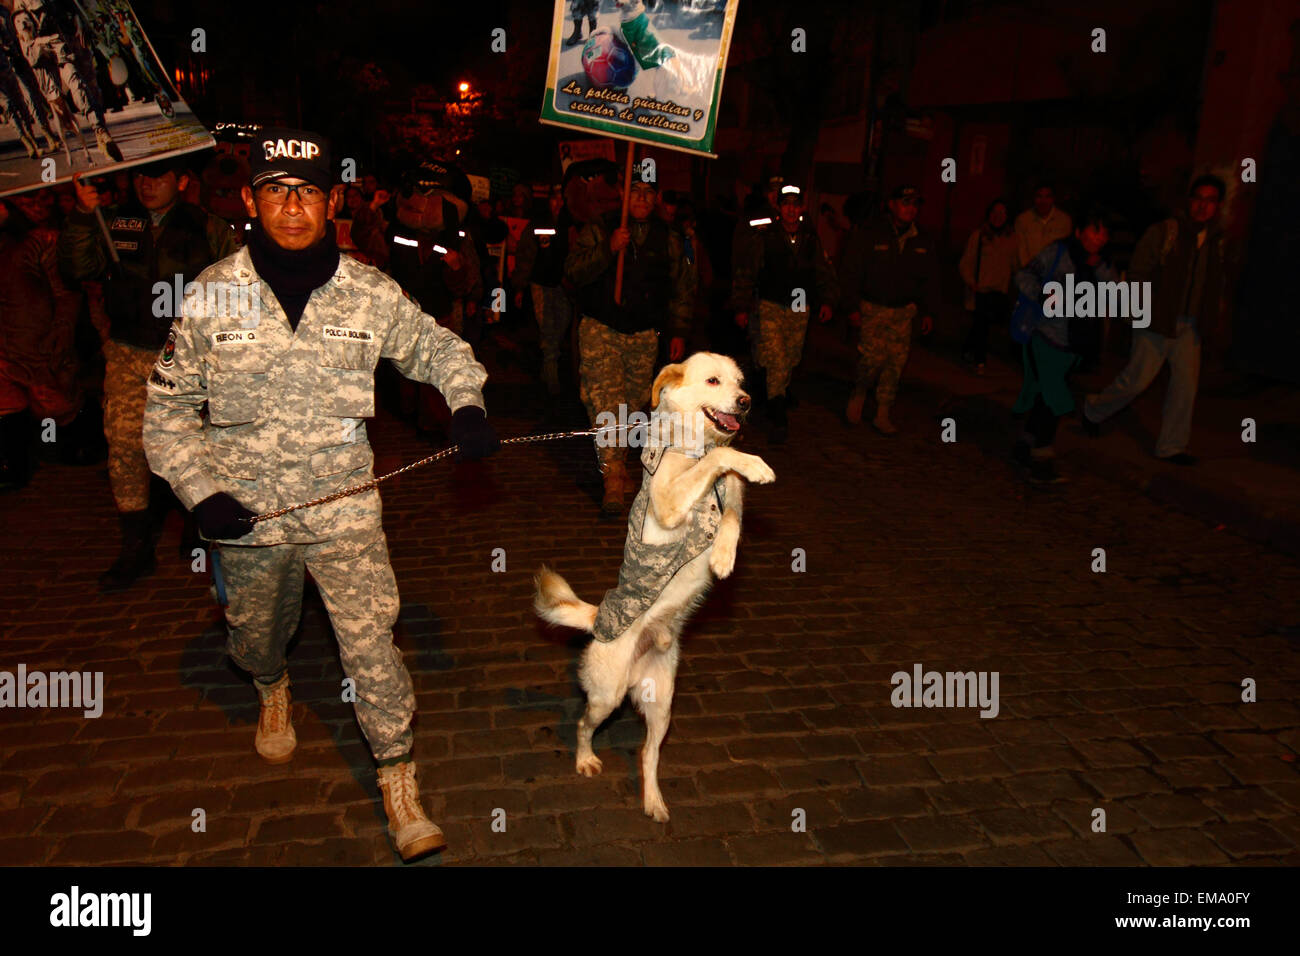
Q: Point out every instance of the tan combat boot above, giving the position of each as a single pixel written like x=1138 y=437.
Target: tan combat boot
x=881 y=422
x=412 y=832
x=275 y=739
x=853 y=411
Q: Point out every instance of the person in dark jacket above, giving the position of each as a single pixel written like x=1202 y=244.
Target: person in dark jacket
x=38 y=357
x=783 y=274
x=618 y=341
x=1184 y=260
x=889 y=277
x=539 y=267
x=158 y=238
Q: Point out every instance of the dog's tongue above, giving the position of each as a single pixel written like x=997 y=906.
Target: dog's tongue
x=729 y=422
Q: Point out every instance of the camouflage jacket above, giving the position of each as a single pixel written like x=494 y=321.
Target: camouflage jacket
x=647 y=568
x=286 y=412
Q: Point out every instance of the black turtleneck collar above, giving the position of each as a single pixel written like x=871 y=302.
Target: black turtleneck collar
x=293 y=274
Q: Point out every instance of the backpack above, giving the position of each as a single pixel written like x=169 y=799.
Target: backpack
x=1028 y=312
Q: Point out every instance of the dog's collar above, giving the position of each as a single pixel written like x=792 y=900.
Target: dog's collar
x=654 y=452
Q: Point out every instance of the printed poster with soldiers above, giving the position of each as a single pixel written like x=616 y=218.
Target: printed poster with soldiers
x=653 y=76
x=82 y=90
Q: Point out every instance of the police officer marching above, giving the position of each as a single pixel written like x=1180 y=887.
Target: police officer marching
x=157 y=238
x=286 y=371
x=889 y=276
x=618 y=342
x=784 y=270
x=539 y=267
x=757 y=217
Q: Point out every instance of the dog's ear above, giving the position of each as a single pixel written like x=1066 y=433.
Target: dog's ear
x=669 y=375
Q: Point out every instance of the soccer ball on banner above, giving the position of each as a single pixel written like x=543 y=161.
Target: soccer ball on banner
x=607 y=60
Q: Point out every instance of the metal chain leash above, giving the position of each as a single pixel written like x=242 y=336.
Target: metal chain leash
x=374 y=482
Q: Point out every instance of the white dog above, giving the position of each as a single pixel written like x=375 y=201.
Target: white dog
x=683 y=530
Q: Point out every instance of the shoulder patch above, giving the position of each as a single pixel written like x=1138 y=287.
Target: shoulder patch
x=166 y=359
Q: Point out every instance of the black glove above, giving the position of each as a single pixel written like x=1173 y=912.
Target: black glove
x=222 y=518
x=471 y=431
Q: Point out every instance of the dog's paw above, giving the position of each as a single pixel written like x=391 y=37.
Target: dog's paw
x=758 y=471
x=655 y=807
x=590 y=765
x=723 y=559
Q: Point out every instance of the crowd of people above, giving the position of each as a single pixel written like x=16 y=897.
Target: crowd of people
x=258 y=403
x=745 y=281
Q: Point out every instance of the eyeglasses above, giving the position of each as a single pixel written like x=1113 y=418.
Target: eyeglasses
x=277 y=194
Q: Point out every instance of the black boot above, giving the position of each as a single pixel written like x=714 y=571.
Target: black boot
x=15 y=451
x=591 y=25
x=577 y=33
x=778 y=429
x=81 y=441
x=136 y=559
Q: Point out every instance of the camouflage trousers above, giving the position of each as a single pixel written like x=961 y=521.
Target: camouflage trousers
x=554 y=312
x=779 y=347
x=614 y=369
x=883 y=345
x=264 y=587
x=126 y=369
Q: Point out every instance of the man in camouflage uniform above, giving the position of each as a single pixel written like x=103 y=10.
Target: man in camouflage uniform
x=577 y=10
x=759 y=214
x=157 y=237
x=60 y=63
x=286 y=369
x=539 y=267
x=618 y=342
x=782 y=270
x=21 y=102
x=889 y=275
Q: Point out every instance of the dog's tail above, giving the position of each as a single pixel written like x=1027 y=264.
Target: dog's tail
x=556 y=603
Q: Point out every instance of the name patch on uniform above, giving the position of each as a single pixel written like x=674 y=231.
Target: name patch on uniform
x=125 y=244
x=351 y=335
x=128 y=224
x=239 y=337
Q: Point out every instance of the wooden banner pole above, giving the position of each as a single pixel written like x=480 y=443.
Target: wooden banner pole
x=627 y=190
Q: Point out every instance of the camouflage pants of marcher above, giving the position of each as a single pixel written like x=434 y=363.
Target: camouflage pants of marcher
x=780 y=343
x=883 y=345
x=264 y=589
x=614 y=369
x=126 y=370
x=554 y=312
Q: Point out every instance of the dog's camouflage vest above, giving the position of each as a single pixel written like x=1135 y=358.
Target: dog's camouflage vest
x=647 y=568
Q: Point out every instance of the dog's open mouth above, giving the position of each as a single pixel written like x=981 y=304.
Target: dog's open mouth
x=724 y=420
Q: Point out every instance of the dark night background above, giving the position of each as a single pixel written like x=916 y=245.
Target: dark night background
x=884 y=92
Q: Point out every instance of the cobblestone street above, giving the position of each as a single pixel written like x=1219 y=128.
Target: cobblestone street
x=1119 y=690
